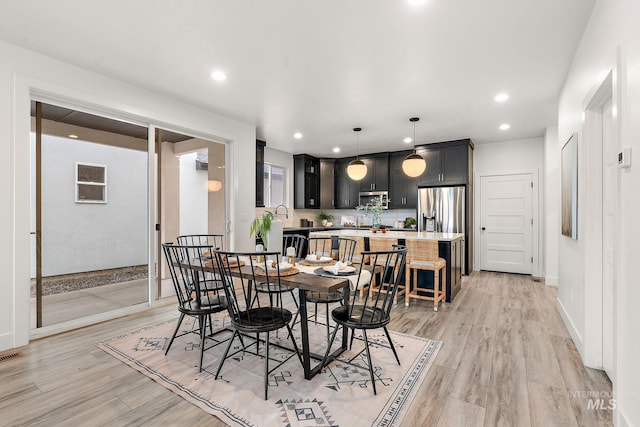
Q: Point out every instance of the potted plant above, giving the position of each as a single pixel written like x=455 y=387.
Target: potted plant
x=410 y=222
x=375 y=207
x=260 y=227
x=324 y=218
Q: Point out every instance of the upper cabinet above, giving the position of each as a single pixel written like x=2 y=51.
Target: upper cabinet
x=377 y=177
x=346 y=189
x=448 y=163
x=326 y=183
x=403 y=190
x=306 y=182
x=260 y=173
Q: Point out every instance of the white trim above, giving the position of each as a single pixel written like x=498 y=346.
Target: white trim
x=571 y=327
x=551 y=281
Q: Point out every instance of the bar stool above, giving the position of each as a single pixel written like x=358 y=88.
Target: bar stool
x=423 y=255
x=381 y=244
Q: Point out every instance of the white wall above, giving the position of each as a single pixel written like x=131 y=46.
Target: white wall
x=551 y=217
x=613 y=25
x=193 y=196
x=508 y=157
x=24 y=74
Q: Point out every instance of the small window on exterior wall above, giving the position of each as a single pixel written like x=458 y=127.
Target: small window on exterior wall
x=91 y=183
x=274 y=185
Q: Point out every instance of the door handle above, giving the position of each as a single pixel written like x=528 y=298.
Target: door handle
x=483 y=228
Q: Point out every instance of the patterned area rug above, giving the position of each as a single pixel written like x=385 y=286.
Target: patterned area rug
x=341 y=395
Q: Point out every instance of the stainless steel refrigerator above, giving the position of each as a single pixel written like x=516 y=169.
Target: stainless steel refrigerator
x=442 y=210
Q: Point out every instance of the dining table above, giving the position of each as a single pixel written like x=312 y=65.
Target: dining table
x=310 y=278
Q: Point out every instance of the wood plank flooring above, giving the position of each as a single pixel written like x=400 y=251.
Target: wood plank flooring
x=507 y=360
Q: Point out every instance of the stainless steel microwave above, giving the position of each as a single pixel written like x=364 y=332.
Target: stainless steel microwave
x=369 y=196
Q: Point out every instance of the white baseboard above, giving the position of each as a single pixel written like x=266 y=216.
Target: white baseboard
x=571 y=327
x=551 y=281
x=6 y=341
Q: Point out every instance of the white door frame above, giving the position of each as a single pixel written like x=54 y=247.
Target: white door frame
x=536 y=266
x=593 y=146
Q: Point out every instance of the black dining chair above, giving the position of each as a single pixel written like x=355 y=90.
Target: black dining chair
x=297 y=241
x=251 y=316
x=345 y=251
x=206 y=242
x=374 y=311
x=186 y=276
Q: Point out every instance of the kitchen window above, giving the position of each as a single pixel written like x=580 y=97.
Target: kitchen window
x=275 y=185
x=91 y=183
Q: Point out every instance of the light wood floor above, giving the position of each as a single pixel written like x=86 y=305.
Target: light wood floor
x=507 y=360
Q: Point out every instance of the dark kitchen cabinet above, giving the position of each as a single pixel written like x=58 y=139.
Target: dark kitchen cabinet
x=377 y=177
x=346 y=189
x=327 y=183
x=306 y=182
x=260 y=173
x=403 y=190
x=447 y=163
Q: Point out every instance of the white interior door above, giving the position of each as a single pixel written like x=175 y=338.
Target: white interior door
x=609 y=195
x=506 y=223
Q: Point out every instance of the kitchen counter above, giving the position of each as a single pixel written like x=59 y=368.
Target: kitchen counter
x=450 y=248
x=404 y=234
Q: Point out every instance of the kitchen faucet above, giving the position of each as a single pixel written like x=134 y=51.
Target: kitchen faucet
x=286 y=211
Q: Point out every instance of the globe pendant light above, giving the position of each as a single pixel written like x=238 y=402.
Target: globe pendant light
x=357 y=169
x=414 y=165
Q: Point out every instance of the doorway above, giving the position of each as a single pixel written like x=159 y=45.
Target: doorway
x=191 y=197
x=506 y=223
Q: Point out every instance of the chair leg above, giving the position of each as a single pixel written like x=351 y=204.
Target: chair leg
x=266 y=366
x=202 y=323
x=366 y=345
x=327 y=320
x=436 y=289
x=295 y=344
x=226 y=352
x=333 y=337
x=174 y=333
x=393 y=347
x=407 y=286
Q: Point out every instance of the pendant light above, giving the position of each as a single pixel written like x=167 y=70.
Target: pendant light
x=414 y=165
x=357 y=169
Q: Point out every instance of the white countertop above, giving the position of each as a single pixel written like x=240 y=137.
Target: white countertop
x=407 y=235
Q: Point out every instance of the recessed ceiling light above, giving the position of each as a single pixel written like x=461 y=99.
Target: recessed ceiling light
x=73 y=136
x=501 y=97
x=336 y=149
x=218 y=76
x=505 y=126
x=416 y=2
x=297 y=135
x=407 y=140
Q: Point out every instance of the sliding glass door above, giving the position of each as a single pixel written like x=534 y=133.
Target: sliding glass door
x=89 y=215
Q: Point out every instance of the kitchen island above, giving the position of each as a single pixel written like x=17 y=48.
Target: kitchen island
x=449 y=248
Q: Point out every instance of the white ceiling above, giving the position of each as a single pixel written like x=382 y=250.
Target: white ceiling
x=324 y=67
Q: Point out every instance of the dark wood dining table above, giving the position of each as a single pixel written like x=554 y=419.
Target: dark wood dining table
x=315 y=283
x=304 y=282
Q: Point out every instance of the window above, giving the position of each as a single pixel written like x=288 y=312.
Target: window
x=91 y=183
x=274 y=185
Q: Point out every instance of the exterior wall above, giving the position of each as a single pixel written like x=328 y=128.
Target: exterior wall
x=193 y=196
x=24 y=75
x=611 y=42
x=79 y=237
x=506 y=157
